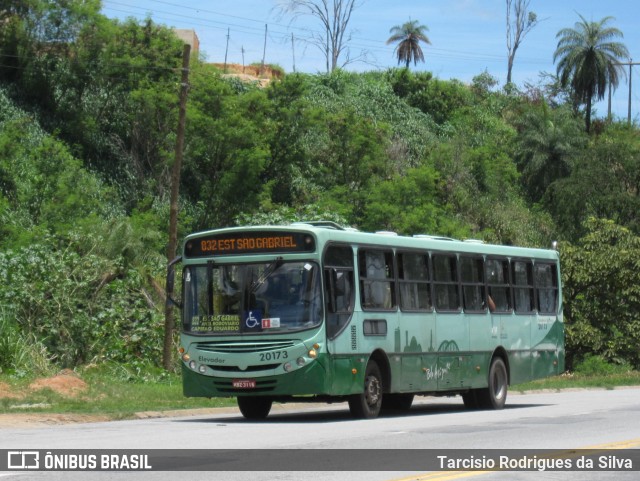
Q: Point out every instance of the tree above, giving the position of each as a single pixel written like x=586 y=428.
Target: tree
x=334 y=15
x=588 y=60
x=518 y=26
x=411 y=204
x=601 y=294
x=605 y=183
x=408 y=36
x=548 y=142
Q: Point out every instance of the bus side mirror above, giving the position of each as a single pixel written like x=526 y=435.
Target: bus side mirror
x=171 y=276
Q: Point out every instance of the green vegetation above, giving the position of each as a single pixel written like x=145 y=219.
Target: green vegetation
x=88 y=113
x=114 y=391
x=593 y=372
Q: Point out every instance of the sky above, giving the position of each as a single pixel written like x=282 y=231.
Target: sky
x=467 y=37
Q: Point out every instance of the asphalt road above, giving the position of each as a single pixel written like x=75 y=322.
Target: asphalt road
x=594 y=420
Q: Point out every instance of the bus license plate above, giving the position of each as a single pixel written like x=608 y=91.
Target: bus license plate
x=244 y=383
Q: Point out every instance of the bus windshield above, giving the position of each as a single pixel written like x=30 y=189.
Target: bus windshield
x=252 y=298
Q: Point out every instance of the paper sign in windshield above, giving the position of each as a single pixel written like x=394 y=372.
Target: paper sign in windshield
x=216 y=323
x=270 y=323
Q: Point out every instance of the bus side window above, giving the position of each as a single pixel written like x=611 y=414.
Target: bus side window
x=523 y=286
x=414 y=281
x=339 y=287
x=499 y=290
x=377 y=286
x=445 y=282
x=473 y=290
x=546 y=280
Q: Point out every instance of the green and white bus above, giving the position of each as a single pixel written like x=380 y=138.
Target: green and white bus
x=315 y=312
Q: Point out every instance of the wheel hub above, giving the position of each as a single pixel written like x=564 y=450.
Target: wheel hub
x=372 y=393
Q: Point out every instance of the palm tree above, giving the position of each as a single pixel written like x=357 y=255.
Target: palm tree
x=589 y=60
x=408 y=36
x=548 y=142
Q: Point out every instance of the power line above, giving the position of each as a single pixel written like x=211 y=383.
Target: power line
x=308 y=33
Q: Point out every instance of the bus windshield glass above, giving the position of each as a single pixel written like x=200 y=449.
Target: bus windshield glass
x=252 y=298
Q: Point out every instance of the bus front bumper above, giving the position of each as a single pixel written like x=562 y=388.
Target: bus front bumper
x=309 y=380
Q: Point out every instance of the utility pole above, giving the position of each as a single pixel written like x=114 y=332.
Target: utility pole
x=293 y=52
x=629 y=106
x=264 y=51
x=242 y=50
x=169 y=322
x=609 y=105
x=630 y=63
x=226 y=50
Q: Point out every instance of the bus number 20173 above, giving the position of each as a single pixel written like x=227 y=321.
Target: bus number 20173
x=273 y=356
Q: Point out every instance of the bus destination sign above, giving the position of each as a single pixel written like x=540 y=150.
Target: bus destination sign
x=235 y=243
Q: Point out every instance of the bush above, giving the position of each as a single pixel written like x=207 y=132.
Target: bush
x=21 y=355
x=594 y=365
x=74 y=307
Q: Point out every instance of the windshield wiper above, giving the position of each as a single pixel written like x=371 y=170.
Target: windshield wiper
x=270 y=269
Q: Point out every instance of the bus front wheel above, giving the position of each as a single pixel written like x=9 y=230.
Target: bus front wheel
x=254 y=407
x=367 y=404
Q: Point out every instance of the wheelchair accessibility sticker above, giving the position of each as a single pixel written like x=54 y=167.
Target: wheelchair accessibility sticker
x=253 y=320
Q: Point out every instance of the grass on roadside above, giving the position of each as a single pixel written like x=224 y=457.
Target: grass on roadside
x=592 y=372
x=115 y=392
x=578 y=381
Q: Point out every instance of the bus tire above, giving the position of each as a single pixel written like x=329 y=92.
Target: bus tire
x=494 y=396
x=367 y=404
x=254 y=407
x=397 y=402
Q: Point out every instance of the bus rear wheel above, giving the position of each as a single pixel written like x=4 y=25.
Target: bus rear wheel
x=368 y=403
x=254 y=407
x=494 y=396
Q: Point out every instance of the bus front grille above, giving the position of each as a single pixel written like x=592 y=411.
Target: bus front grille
x=265 y=367
x=241 y=347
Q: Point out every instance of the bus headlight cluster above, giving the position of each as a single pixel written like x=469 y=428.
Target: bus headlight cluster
x=301 y=361
x=201 y=368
